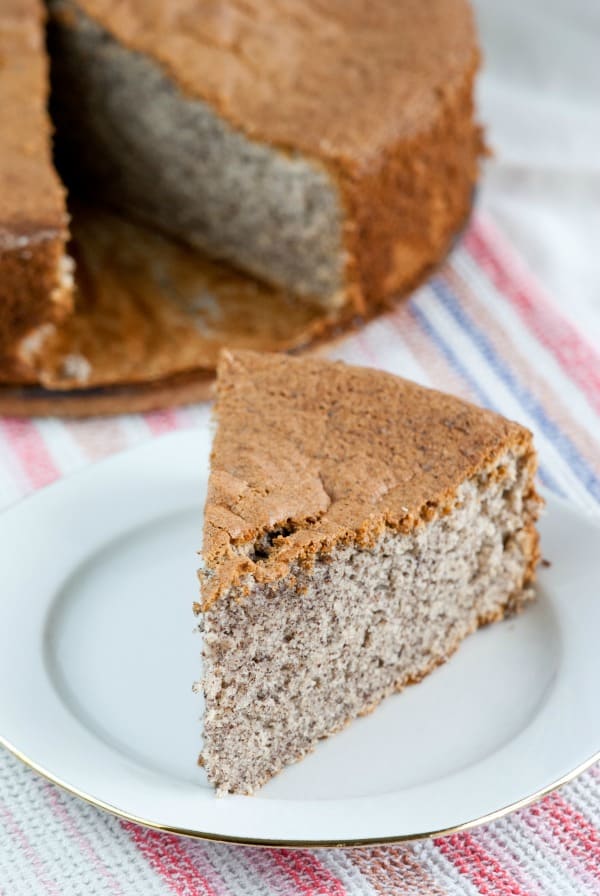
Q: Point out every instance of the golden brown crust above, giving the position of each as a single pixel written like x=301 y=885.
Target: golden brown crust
x=31 y=193
x=379 y=93
x=33 y=218
x=318 y=453
x=150 y=310
x=347 y=78
x=32 y=297
x=405 y=171
x=405 y=211
x=142 y=370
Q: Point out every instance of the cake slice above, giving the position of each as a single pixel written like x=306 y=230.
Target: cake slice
x=357 y=528
x=329 y=149
x=35 y=272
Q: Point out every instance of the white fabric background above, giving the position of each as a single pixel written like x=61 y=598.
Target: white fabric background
x=539 y=98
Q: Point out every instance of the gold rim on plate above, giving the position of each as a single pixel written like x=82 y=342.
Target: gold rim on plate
x=299 y=844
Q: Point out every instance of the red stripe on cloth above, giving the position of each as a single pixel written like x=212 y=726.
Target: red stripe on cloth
x=78 y=835
x=473 y=861
x=168 y=857
x=309 y=876
x=363 y=344
x=442 y=375
x=23 y=844
x=577 y=835
x=159 y=422
x=510 y=856
x=576 y=356
x=525 y=369
x=98 y=438
x=30 y=450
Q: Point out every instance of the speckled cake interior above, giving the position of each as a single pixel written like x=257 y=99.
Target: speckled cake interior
x=309 y=622
x=275 y=214
x=331 y=152
x=296 y=660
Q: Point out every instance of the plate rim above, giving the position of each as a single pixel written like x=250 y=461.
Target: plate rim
x=346 y=842
x=297 y=844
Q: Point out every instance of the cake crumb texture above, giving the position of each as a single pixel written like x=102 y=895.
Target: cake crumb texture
x=358 y=527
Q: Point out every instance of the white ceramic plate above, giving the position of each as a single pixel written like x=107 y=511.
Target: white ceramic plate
x=98 y=655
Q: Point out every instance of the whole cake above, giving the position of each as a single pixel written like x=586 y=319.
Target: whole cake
x=357 y=527
x=330 y=149
x=35 y=272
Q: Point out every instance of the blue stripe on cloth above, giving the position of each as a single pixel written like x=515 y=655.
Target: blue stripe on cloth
x=546 y=478
x=528 y=401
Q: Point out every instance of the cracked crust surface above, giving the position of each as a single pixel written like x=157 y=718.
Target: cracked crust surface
x=309 y=454
x=337 y=73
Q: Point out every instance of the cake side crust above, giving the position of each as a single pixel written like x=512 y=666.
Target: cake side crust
x=34 y=286
x=405 y=212
x=36 y=291
x=348 y=79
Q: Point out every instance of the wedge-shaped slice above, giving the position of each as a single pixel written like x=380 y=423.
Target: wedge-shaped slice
x=358 y=526
x=35 y=273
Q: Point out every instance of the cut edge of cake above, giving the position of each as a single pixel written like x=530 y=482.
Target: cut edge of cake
x=344 y=219
x=309 y=624
x=37 y=274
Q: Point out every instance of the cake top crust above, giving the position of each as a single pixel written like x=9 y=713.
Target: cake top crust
x=32 y=199
x=341 y=80
x=310 y=453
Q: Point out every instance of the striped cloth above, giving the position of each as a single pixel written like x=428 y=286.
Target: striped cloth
x=482 y=328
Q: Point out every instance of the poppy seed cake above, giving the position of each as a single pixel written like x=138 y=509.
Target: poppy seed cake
x=357 y=527
x=330 y=149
